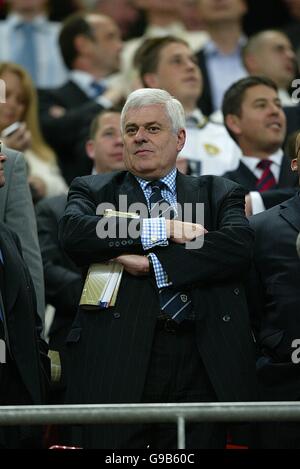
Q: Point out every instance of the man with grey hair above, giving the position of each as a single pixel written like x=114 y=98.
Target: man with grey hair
x=167 y=339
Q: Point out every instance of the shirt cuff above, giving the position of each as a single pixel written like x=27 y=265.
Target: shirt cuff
x=161 y=276
x=257 y=203
x=154 y=233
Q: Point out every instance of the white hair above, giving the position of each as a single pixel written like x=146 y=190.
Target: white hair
x=149 y=96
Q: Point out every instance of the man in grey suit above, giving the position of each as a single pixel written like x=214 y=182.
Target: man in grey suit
x=16 y=211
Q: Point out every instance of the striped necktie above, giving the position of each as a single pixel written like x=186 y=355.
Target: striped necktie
x=267 y=180
x=175 y=304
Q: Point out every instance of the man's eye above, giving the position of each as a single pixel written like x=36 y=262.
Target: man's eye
x=130 y=131
x=153 y=129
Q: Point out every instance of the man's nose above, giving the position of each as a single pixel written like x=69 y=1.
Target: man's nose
x=119 y=141
x=141 y=135
x=274 y=109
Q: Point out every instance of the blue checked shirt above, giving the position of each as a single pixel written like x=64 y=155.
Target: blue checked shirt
x=154 y=232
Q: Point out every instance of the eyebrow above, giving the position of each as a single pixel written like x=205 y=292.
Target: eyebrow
x=146 y=124
x=265 y=100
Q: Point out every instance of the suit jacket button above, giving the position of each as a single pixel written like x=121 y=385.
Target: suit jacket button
x=236 y=291
x=226 y=317
x=116 y=315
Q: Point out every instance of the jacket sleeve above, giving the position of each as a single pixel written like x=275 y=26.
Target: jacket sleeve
x=20 y=217
x=88 y=237
x=63 y=284
x=225 y=253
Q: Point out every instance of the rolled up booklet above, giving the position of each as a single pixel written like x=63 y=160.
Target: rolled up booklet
x=101 y=285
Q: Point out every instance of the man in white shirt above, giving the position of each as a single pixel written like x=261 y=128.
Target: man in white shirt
x=220 y=59
x=254 y=118
x=29 y=39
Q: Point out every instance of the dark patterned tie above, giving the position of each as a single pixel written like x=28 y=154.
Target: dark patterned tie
x=97 y=89
x=267 y=180
x=175 y=304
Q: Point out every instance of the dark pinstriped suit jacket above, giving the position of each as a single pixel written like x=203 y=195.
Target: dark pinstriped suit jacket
x=111 y=348
x=275 y=305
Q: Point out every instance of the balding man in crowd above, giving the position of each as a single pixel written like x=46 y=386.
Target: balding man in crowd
x=270 y=53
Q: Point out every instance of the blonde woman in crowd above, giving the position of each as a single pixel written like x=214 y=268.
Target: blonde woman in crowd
x=19 y=129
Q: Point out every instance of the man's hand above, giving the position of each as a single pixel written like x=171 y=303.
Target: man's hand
x=182 y=232
x=114 y=94
x=134 y=264
x=248 y=206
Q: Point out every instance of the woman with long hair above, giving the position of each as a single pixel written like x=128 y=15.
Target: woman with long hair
x=20 y=107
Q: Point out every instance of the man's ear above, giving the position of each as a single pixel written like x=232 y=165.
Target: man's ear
x=81 y=43
x=151 y=80
x=233 y=123
x=181 y=137
x=90 y=149
x=251 y=64
x=294 y=164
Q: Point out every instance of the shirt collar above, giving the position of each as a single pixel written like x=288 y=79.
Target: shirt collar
x=210 y=48
x=197 y=116
x=176 y=28
x=251 y=161
x=14 y=20
x=83 y=80
x=169 y=180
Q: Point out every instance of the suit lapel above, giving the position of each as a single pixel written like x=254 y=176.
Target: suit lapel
x=290 y=211
x=246 y=178
x=190 y=193
x=130 y=188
